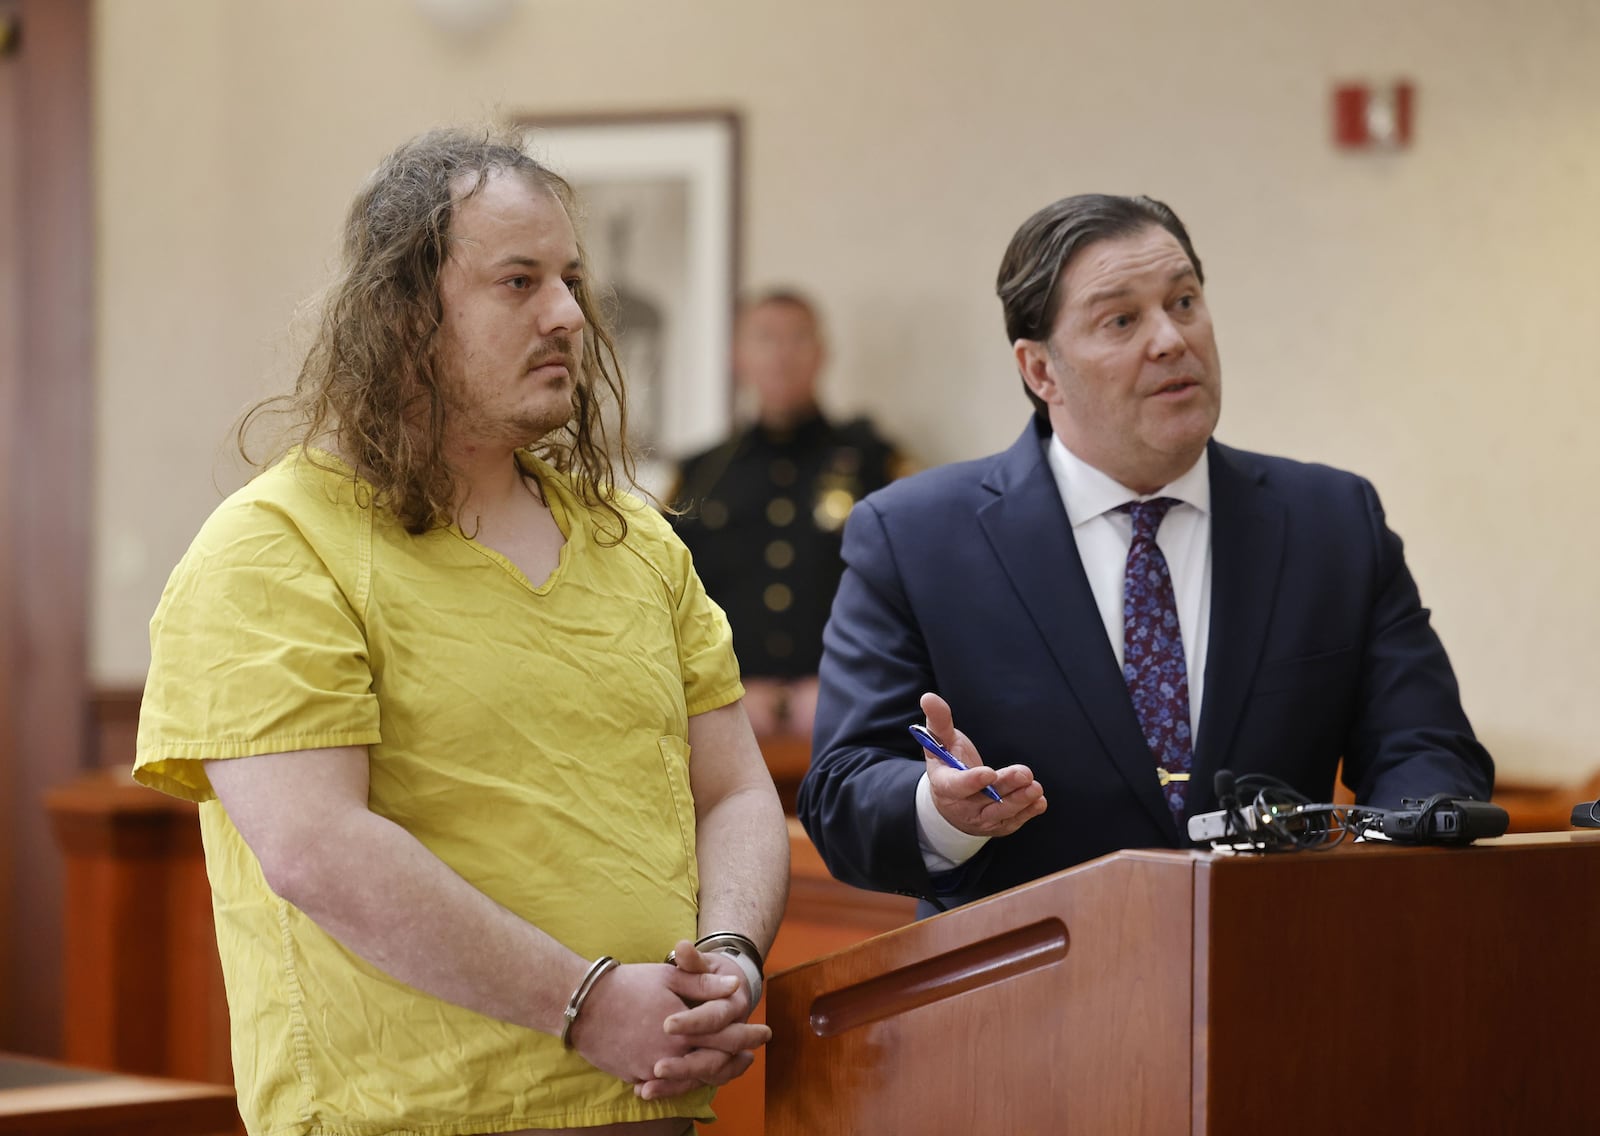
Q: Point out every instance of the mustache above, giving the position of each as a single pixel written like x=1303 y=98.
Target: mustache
x=550 y=353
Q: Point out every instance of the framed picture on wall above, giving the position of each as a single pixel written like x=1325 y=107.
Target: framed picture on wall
x=659 y=200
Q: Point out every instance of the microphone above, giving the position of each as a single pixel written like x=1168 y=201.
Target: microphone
x=1443 y=819
x=1229 y=821
x=1222 y=783
x=1275 y=817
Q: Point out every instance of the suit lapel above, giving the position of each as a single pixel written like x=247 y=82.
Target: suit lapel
x=1247 y=534
x=1026 y=525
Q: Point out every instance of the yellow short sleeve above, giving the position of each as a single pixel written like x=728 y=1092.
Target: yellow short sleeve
x=705 y=639
x=258 y=645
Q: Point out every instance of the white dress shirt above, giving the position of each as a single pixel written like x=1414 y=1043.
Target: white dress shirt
x=1103 y=537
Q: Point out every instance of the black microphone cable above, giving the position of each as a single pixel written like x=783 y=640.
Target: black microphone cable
x=1263 y=814
x=1266 y=814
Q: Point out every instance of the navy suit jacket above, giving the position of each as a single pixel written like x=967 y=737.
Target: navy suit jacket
x=965 y=580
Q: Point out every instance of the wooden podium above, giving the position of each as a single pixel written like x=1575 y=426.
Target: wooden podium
x=1372 y=987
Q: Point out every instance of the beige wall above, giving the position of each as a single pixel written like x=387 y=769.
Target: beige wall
x=1427 y=318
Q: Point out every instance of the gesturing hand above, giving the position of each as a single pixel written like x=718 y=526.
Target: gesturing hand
x=959 y=796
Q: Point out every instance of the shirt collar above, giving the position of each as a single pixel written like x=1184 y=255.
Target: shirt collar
x=1088 y=493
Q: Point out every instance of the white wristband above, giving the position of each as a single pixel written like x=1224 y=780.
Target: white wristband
x=752 y=974
x=741 y=949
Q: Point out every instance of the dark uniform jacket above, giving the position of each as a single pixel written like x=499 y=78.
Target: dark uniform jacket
x=764 y=513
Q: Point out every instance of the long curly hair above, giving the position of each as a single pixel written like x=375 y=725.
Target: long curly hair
x=372 y=381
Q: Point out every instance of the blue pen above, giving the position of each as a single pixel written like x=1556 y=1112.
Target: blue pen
x=931 y=744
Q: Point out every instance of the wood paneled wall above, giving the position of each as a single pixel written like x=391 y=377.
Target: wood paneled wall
x=46 y=448
x=10 y=365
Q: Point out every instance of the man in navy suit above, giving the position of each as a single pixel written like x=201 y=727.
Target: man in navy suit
x=996 y=587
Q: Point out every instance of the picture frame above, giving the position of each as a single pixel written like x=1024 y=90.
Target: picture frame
x=659 y=215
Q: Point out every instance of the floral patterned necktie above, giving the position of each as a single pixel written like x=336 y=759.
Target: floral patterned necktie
x=1152 y=651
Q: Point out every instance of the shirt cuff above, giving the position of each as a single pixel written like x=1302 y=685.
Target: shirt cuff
x=944 y=846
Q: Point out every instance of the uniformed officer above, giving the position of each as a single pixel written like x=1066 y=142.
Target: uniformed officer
x=763 y=512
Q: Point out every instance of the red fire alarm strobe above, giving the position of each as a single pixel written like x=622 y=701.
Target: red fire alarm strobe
x=1369 y=116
